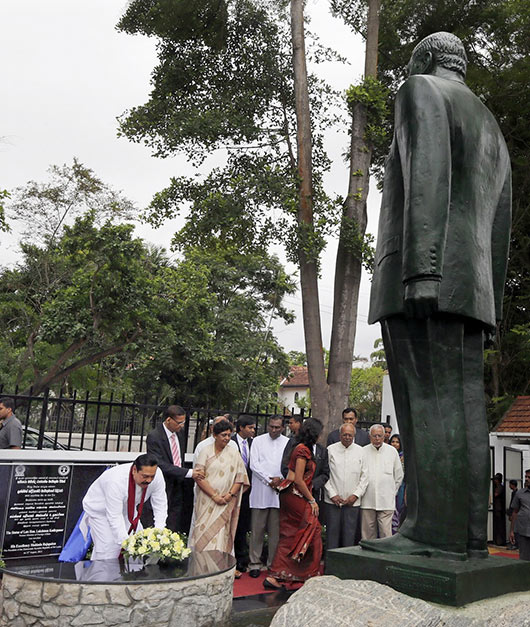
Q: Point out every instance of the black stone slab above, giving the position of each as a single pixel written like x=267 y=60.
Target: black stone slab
x=440 y=581
x=115 y=571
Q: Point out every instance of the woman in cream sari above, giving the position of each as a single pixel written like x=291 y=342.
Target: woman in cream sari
x=217 y=504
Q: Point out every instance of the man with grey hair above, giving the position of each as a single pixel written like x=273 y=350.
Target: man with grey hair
x=342 y=492
x=384 y=474
x=440 y=267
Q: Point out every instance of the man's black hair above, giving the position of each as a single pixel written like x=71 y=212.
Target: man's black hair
x=146 y=459
x=244 y=421
x=8 y=403
x=349 y=410
x=174 y=410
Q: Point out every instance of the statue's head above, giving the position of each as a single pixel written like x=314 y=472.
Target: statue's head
x=442 y=50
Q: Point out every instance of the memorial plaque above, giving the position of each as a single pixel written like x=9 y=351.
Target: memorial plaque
x=37 y=510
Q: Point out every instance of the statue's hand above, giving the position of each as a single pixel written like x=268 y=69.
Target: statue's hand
x=421 y=298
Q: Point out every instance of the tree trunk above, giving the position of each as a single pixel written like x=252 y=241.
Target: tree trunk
x=307 y=259
x=349 y=259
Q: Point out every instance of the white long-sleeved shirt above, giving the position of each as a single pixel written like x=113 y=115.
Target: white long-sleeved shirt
x=107 y=498
x=385 y=474
x=345 y=472
x=265 y=462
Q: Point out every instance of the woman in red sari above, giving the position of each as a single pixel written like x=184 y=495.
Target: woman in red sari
x=300 y=547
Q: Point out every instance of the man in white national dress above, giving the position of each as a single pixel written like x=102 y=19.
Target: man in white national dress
x=114 y=502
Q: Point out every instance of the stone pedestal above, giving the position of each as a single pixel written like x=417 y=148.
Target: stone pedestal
x=48 y=600
x=441 y=581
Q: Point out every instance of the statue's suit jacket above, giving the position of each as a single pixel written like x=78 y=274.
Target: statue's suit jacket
x=446 y=206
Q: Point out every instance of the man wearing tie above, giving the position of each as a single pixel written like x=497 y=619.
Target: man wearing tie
x=167 y=444
x=245 y=431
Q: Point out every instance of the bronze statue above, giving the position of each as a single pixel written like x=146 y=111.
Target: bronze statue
x=437 y=290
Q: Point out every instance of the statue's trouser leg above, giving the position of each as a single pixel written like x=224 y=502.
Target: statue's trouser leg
x=477 y=437
x=434 y=385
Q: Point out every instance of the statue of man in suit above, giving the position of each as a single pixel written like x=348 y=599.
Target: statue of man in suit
x=437 y=290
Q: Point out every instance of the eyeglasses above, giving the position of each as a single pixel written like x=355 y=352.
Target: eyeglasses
x=178 y=422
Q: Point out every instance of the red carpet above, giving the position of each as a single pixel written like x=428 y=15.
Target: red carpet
x=499 y=552
x=248 y=586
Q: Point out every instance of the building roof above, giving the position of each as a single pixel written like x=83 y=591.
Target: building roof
x=298 y=378
x=517 y=418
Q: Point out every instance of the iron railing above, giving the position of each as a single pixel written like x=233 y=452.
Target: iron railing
x=91 y=421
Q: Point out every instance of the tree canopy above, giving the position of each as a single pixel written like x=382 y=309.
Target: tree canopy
x=91 y=305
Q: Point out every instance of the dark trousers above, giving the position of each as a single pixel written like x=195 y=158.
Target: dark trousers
x=524 y=547
x=243 y=527
x=436 y=372
x=341 y=527
x=176 y=518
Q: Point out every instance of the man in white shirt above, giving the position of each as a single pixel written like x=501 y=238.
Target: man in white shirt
x=385 y=474
x=113 y=504
x=347 y=482
x=266 y=467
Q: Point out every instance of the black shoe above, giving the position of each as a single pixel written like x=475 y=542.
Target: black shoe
x=255 y=573
x=270 y=586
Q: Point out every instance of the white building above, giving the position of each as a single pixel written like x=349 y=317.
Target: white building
x=294 y=387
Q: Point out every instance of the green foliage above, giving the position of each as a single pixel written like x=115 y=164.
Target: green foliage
x=378 y=357
x=3 y=224
x=361 y=246
x=297 y=358
x=94 y=307
x=375 y=97
x=202 y=20
x=304 y=402
x=236 y=96
x=44 y=209
x=366 y=391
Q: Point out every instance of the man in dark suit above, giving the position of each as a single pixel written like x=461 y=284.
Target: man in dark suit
x=245 y=431
x=437 y=290
x=167 y=444
x=349 y=415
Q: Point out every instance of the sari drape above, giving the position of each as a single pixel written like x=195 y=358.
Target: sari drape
x=214 y=526
x=300 y=547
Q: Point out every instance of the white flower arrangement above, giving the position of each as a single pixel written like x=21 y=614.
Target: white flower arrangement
x=156 y=544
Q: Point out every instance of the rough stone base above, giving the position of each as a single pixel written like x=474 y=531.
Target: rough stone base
x=437 y=580
x=331 y=602
x=204 y=602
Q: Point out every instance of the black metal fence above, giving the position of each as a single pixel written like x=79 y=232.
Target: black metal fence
x=92 y=422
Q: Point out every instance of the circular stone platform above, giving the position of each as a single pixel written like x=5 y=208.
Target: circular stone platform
x=104 y=593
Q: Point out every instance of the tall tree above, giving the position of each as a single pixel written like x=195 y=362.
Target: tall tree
x=252 y=94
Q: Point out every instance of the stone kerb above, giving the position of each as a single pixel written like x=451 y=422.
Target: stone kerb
x=199 y=602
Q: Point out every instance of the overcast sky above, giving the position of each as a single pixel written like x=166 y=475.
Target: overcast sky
x=66 y=76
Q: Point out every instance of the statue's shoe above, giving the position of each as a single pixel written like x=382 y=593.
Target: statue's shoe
x=400 y=545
